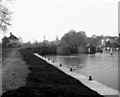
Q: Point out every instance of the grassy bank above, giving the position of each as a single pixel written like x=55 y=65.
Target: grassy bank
x=47 y=81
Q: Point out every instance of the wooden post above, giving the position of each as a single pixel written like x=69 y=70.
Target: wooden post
x=60 y=64
x=90 y=78
x=70 y=69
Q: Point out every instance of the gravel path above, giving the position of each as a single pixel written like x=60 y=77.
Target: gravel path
x=14 y=71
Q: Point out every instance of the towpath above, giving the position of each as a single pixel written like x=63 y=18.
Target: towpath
x=14 y=70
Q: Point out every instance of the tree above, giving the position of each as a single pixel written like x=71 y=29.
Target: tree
x=5 y=16
x=94 y=40
x=5 y=41
x=119 y=41
x=108 y=44
x=82 y=38
x=74 y=39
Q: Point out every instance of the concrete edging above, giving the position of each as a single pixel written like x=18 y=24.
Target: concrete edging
x=94 y=85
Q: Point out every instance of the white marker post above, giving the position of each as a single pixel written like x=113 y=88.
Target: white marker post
x=89 y=50
x=111 y=51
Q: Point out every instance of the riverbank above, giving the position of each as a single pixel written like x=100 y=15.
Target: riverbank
x=45 y=80
x=102 y=67
x=94 y=85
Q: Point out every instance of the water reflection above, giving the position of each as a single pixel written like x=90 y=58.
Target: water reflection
x=72 y=60
x=102 y=67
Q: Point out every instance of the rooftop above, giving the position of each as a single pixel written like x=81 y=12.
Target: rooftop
x=12 y=36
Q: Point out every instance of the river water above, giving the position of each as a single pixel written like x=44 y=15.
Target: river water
x=102 y=67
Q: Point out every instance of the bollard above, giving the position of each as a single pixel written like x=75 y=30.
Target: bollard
x=70 y=69
x=60 y=64
x=111 y=54
x=53 y=61
x=90 y=78
x=111 y=51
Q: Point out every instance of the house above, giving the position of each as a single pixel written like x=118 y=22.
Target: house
x=13 y=41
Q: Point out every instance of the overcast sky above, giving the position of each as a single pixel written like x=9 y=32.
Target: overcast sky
x=32 y=19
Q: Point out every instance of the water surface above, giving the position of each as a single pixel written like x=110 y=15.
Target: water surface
x=103 y=67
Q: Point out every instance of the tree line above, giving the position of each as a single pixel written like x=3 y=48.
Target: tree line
x=79 y=39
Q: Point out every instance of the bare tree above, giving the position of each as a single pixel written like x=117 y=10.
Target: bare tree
x=5 y=17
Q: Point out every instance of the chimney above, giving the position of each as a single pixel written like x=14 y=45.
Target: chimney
x=11 y=33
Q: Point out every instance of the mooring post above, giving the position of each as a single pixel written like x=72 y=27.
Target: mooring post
x=90 y=78
x=70 y=69
x=60 y=64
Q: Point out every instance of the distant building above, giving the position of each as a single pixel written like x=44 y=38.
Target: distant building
x=13 y=41
x=57 y=41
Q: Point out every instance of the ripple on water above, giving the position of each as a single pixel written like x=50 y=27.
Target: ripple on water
x=103 y=67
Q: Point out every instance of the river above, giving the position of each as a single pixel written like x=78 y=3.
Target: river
x=102 y=67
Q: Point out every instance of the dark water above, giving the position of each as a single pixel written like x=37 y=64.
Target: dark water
x=103 y=67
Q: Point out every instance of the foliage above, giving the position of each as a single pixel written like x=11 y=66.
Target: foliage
x=113 y=43
x=74 y=39
x=93 y=41
x=108 y=44
x=96 y=40
x=5 y=41
x=118 y=39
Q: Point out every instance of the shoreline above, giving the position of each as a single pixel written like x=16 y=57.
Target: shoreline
x=103 y=67
x=104 y=71
x=45 y=80
x=94 y=85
